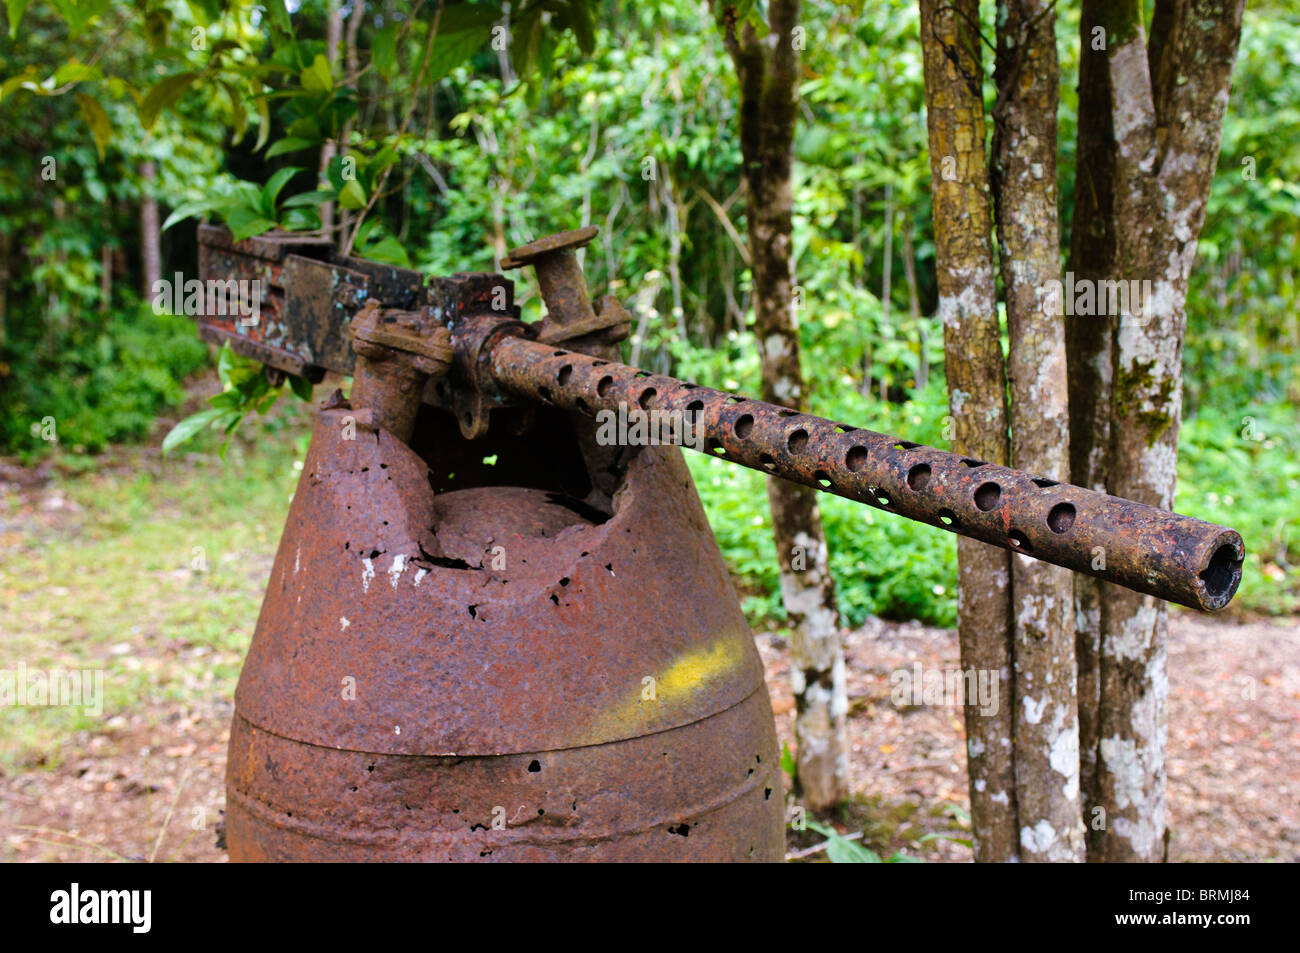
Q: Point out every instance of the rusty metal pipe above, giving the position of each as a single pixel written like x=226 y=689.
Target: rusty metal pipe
x=1173 y=557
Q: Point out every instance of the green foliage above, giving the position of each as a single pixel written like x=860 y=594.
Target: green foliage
x=245 y=388
x=108 y=384
x=451 y=150
x=842 y=850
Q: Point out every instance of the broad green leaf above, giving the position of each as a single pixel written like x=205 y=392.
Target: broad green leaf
x=164 y=92
x=101 y=130
x=156 y=24
x=15 y=10
x=187 y=210
x=316 y=197
x=388 y=250
x=79 y=13
x=246 y=222
x=787 y=760
x=467 y=16
x=452 y=49
x=583 y=28
x=288 y=145
x=317 y=77
x=383 y=50
x=187 y=428
x=279 y=15
x=271 y=191
x=301 y=387
x=352 y=195
x=75 y=71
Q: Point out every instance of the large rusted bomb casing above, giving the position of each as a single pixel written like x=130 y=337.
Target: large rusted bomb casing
x=498 y=672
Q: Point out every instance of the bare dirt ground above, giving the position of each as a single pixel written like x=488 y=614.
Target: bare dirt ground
x=146 y=782
x=1233 y=788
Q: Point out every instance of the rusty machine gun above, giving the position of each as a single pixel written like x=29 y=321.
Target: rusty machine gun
x=490 y=633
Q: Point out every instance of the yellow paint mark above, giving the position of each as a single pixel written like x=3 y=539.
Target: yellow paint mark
x=676 y=684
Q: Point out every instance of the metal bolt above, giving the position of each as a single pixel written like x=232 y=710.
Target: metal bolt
x=564 y=288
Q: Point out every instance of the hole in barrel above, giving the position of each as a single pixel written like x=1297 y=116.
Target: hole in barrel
x=987 y=496
x=564 y=374
x=1222 y=572
x=714 y=446
x=743 y=425
x=918 y=476
x=766 y=460
x=602 y=389
x=1045 y=483
x=647 y=395
x=1019 y=540
x=883 y=498
x=856 y=458
x=974 y=464
x=1061 y=517
x=545 y=393
x=906 y=445
x=798 y=441
x=947 y=517
x=823 y=479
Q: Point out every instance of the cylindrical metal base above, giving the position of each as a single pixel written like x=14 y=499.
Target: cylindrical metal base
x=498 y=673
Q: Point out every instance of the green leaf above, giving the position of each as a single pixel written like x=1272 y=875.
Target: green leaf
x=187 y=428
x=156 y=24
x=388 y=250
x=271 y=191
x=78 y=13
x=301 y=387
x=467 y=16
x=164 y=92
x=288 y=145
x=787 y=760
x=317 y=77
x=263 y=122
x=352 y=196
x=526 y=38
x=15 y=10
x=383 y=50
x=311 y=199
x=583 y=29
x=187 y=210
x=279 y=15
x=246 y=222
x=101 y=130
x=452 y=49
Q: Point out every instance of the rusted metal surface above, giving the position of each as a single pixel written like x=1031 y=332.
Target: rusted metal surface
x=1150 y=550
x=309 y=296
x=397 y=352
x=492 y=634
x=452 y=640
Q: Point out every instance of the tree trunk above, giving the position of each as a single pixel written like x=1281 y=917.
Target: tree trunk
x=976 y=391
x=768 y=76
x=1166 y=103
x=330 y=148
x=150 y=250
x=1046 y=748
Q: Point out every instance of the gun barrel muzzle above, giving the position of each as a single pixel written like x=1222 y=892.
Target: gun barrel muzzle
x=1141 y=547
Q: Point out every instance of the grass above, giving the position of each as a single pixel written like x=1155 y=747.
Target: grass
x=152 y=572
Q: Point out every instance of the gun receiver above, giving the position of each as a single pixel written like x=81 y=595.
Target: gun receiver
x=497 y=360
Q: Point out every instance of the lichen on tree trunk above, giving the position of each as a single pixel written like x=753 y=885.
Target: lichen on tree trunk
x=1165 y=102
x=1046 y=748
x=976 y=391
